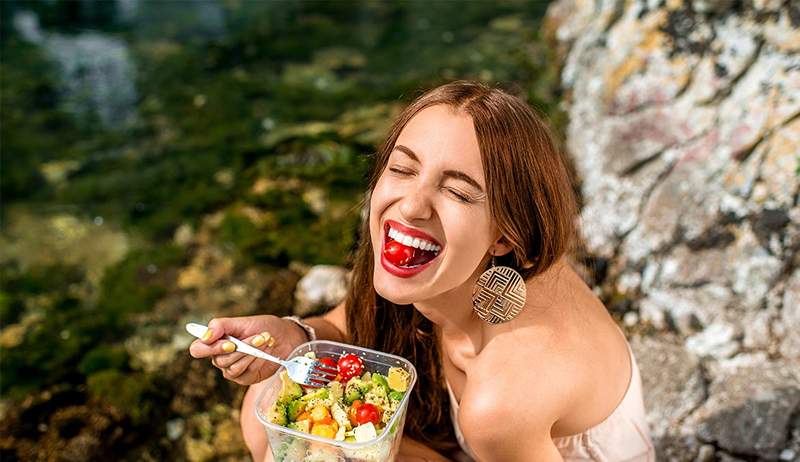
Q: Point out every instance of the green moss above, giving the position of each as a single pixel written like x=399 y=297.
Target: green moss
x=130 y=393
x=134 y=284
x=104 y=357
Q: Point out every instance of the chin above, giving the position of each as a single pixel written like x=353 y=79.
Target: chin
x=392 y=294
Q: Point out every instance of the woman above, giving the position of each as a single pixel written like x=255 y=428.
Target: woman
x=469 y=183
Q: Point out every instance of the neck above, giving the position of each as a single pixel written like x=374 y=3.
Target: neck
x=452 y=312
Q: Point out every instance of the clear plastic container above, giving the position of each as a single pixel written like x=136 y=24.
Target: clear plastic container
x=293 y=446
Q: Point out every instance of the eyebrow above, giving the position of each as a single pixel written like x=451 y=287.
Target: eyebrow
x=456 y=174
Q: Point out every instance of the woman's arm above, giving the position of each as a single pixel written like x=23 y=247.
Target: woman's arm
x=414 y=451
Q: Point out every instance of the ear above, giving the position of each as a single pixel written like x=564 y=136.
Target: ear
x=500 y=247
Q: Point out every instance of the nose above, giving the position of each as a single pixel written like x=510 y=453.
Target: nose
x=416 y=205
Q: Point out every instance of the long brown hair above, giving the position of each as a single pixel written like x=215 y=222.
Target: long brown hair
x=531 y=201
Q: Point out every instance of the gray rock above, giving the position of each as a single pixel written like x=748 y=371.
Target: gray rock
x=717 y=340
x=749 y=408
x=705 y=454
x=672 y=382
x=685 y=309
x=684 y=267
x=757 y=333
x=175 y=428
x=322 y=287
x=683 y=128
x=790 y=317
x=788 y=455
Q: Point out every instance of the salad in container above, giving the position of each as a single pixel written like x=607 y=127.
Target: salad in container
x=356 y=417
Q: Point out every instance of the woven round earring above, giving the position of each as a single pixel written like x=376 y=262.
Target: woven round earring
x=499 y=294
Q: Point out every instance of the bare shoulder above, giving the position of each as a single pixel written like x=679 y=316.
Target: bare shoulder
x=518 y=388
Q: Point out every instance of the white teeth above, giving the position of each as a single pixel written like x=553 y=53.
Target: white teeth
x=413 y=241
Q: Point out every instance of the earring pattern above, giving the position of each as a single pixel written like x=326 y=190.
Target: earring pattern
x=499 y=294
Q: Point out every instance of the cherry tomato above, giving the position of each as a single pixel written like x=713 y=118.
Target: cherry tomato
x=329 y=363
x=398 y=254
x=350 y=366
x=368 y=413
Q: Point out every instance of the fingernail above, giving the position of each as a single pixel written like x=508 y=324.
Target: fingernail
x=228 y=347
x=269 y=338
x=258 y=340
x=207 y=335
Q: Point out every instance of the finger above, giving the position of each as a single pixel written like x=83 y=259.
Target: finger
x=239 y=367
x=261 y=341
x=198 y=349
x=240 y=327
x=217 y=327
x=226 y=360
x=218 y=348
x=253 y=374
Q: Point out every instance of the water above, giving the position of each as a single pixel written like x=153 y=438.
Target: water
x=95 y=71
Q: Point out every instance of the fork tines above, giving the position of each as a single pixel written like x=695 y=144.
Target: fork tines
x=321 y=373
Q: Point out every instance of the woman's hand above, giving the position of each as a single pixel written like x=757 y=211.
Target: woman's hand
x=269 y=333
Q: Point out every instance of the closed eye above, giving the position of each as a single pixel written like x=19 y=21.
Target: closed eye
x=459 y=197
x=400 y=171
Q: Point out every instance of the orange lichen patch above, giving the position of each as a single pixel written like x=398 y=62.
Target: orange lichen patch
x=781 y=34
x=780 y=166
x=674 y=5
x=652 y=42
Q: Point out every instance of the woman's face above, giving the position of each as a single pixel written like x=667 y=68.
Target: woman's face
x=431 y=192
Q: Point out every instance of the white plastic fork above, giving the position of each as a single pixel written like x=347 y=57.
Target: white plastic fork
x=301 y=369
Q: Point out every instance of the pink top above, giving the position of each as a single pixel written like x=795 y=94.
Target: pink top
x=622 y=436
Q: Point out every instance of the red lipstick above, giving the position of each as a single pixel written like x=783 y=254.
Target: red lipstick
x=399 y=259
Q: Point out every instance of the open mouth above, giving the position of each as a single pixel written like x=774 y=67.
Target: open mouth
x=406 y=248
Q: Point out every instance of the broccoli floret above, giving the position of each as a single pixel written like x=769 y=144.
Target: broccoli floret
x=380 y=380
x=289 y=389
x=361 y=385
x=294 y=409
x=352 y=395
x=277 y=414
x=319 y=393
x=365 y=387
x=355 y=389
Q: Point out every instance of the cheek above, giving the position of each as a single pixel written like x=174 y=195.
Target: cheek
x=468 y=235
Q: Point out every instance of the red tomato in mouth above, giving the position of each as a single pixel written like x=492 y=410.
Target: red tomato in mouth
x=368 y=413
x=398 y=254
x=350 y=366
